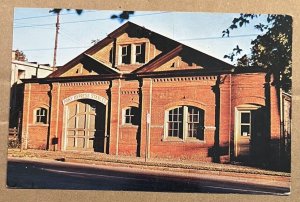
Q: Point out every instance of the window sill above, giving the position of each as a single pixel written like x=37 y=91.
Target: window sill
x=187 y=140
x=195 y=140
x=128 y=125
x=39 y=124
x=172 y=139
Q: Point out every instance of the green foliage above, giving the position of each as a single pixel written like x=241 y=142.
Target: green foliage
x=125 y=15
x=272 y=50
x=58 y=10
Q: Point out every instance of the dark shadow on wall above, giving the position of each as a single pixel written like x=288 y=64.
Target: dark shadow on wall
x=215 y=151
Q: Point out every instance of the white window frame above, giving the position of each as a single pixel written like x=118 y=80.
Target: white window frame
x=38 y=116
x=185 y=124
x=121 y=62
x=246 y=124
x=133 y=53
x=132 y=116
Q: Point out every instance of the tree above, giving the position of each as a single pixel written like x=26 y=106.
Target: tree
x=58 y=10
x=271 y=50
x=20 y=56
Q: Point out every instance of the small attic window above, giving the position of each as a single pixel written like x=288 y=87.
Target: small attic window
x=140 y=53
x=174 y=65
x=111 y=55
x=77 y=71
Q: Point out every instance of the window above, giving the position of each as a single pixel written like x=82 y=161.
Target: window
x=245 y=123
x=131 y=116
x=41 y=115
x=21 y=74
x=111 y=55
x=140 y=53
x=175 y=122
x=131 y=54
x=126 y=54
x=185 y=122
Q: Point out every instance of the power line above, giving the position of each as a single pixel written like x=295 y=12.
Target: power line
x=81 y=21
x=190 y=39
x=218 y=37
x=48 y=49
x=50 y=15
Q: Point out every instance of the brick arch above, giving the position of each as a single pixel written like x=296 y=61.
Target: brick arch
x=185 y=102
x=250 y=100
x=39 y=105
x=88 y=96
x=132 y=104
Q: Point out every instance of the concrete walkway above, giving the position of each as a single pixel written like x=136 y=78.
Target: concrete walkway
x=93 y=158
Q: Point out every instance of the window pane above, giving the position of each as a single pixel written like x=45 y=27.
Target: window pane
x=124 y=50
x=127 y=111
x=140 y=53
x=126 y=56
x=195 y=127
x=170 y=117
x=127 y=119
x=245 y=130
x=245 y=117
x=138 y=49
x=43 y=119
x=175 y=124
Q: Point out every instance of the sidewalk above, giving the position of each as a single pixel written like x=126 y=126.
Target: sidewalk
x=153 y=164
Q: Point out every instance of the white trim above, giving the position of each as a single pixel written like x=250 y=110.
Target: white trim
x=237 y=118
x=79 y=96
x=185 y=137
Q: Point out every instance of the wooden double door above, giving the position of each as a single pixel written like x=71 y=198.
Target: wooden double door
x=85 y=126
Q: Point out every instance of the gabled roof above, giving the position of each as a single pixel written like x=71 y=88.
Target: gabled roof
x=101 y=64
x=175 y=49
x=110 y=37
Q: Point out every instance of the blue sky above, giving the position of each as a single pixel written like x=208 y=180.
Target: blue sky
x=34 y=31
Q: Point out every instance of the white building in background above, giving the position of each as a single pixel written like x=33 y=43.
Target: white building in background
x=23 y=70
x=26 y=70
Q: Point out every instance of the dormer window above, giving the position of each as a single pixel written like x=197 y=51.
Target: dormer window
x=126 y=54
x=140 y=53
x=132 y=54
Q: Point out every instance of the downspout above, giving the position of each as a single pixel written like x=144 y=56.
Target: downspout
x=114 y=53
x=118 y=127
x=282 y=135
x=28 y=112
x=57 y=112
x=230 y=109
x=149 y=122
x=50 y=112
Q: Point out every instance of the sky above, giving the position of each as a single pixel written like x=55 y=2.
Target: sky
x=34 y=31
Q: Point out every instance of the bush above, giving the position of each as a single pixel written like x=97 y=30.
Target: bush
x=14 y=143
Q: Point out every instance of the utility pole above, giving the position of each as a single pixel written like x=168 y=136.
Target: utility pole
x=56 y=40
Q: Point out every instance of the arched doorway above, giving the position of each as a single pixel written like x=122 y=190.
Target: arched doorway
x=85 y=125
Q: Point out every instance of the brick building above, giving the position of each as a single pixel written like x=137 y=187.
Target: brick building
x=138 y=93
x=22 y=69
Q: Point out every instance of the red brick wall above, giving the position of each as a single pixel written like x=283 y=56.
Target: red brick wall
x=155 y=96
x=35 y=96
x=129 y=97
x=167 y=93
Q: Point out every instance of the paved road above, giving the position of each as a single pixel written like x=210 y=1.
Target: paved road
x=62 y=175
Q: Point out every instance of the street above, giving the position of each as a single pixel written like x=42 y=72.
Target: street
x=63 y=175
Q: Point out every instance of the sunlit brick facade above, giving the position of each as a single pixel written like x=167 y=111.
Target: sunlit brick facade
x=140 y=94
